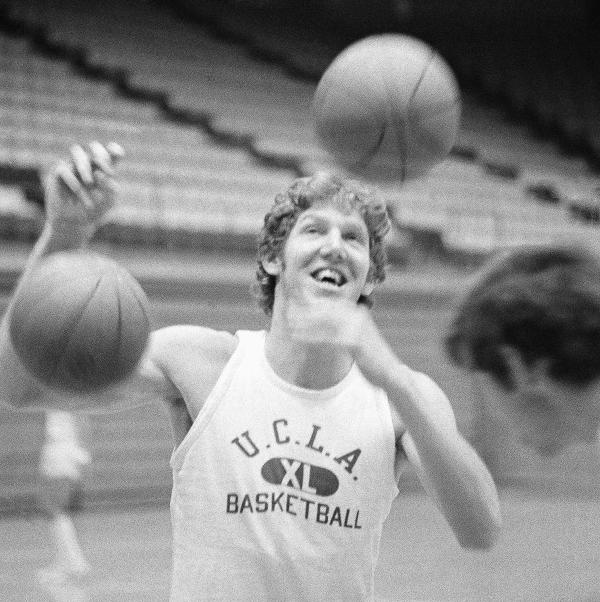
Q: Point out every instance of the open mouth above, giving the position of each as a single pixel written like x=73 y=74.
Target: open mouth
x=329 y=276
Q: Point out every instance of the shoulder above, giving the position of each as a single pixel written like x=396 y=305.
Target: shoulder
x=174 y=346
x=434 y=400
x=425 y=391
x=172 y=340
x=192 y=358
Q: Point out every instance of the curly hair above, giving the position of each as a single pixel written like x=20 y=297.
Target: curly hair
x=303 y=194
x=542 y=301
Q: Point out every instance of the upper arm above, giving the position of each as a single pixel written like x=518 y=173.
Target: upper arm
x=18 y=389
x=21 y=391
x=192 y=359
x=440 y=411
x=182 y=364
x=156 y=378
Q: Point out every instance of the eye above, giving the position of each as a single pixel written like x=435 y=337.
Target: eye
x=355 y=236
x=311 y=228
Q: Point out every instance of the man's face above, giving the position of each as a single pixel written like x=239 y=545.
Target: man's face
x=546 y=419
x=326 y=255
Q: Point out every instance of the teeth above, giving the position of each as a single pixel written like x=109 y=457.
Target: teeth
x=329 y=275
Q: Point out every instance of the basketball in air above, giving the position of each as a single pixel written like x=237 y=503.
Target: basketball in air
x=80 y=322
x=387 y=108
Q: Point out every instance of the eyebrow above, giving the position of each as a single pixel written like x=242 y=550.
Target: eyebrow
x=357 y=221
x=355 y=224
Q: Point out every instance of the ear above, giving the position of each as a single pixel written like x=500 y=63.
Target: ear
x=272 y=266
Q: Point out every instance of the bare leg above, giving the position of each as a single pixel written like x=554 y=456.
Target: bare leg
x=69 y=554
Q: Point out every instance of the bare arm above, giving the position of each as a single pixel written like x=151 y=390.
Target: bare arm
x=77 y=193
x=449 y=468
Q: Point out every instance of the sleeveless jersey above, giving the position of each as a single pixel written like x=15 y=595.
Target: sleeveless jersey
x=279 y=492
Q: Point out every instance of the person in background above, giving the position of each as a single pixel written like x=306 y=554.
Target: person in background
x=528 y=329
x=62 y=461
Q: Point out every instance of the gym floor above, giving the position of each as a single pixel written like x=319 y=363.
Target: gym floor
x=549 y=551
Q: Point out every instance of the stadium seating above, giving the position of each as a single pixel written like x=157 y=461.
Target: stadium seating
x=170 y=167
x=262 y=110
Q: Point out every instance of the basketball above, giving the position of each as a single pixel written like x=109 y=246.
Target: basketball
x=387 y=108
x=80 y=323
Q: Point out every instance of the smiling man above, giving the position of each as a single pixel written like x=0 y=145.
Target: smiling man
x=529 y=331
x=288 y=442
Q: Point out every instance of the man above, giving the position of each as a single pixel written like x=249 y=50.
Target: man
x=287 y=442
x=529 y=329
x=62 y=459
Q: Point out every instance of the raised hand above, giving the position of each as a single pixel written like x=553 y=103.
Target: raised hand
x=347 y=325
x=80 y=191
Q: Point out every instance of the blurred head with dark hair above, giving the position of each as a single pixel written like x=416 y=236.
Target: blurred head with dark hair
x=530 y=328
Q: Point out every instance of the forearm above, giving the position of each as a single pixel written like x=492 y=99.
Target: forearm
x=450 y=469
x=77 y=194
x=56 y=236
x=17 y=388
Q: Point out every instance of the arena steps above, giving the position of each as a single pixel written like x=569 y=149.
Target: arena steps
x=518 y=148
x=190 y=160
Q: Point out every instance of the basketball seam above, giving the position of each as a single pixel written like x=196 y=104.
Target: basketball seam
x=72 y=323
x=368 y=157
x=141 y=303
x=119 y=317
x=403 y=142
x=445 y=107
x=432 y=55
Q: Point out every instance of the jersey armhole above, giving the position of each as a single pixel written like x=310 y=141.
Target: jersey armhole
x=210 y=405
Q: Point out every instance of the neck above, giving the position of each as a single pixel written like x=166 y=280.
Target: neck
x=303 y=365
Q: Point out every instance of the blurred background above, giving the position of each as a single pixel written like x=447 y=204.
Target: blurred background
x=211 y=100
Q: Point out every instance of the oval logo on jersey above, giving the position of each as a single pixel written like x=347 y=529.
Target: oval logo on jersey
x=299 y=475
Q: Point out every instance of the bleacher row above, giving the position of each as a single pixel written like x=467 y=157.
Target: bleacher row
x=175 y=177
x=212 y=172
x=538 y=169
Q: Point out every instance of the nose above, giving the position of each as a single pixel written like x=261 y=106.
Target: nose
x=333 y=245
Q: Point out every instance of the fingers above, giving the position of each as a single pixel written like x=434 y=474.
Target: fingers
x=100 y=158
x=89 y=176
x=116 y=151
x=105 y=157
x=96 y=157
x=65 y=174
x=82 y=165
x=68 y=178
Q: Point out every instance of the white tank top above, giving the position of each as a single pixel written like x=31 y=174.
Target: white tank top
x=279 y=492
